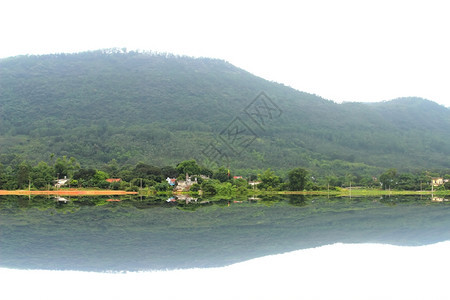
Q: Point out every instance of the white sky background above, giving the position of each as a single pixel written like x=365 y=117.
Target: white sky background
x=346 y=50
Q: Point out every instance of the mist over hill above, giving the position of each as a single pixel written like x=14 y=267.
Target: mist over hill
x=162 y=109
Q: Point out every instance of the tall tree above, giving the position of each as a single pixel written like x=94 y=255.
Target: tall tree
x=268 y=180
x=66 y=166
x=388 y=178
x=23 y=175
x=42 y=175
x=189 y=166
x=2 y=176
x=297 y=179
x=169 y=171
x=221 y=174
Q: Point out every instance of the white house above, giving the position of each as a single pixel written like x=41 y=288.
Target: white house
x=437 y=181
x=60 y=182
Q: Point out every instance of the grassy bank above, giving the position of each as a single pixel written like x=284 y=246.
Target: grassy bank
x=340 y=192
x=356 y=192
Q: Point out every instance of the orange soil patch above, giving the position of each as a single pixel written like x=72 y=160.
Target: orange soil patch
x=71 y=192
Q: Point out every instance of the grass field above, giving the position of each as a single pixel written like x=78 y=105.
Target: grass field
x=357 y=192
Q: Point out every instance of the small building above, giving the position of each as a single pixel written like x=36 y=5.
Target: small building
x=437 y=181
x=237 y=177
x=171 y=181
x=60 y=182
x=185 y=185
x=111 y=180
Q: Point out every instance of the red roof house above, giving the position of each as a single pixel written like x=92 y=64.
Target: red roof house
x=113 y=180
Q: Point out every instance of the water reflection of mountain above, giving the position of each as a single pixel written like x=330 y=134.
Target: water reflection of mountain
x=151 y=233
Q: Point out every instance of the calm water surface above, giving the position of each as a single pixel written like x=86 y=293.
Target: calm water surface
x=390 y=247
x=98 y=234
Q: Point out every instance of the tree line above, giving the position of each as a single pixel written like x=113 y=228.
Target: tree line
x=219 y=180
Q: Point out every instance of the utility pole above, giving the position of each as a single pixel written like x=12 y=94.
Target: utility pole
x=350 y=189
x=328 y=189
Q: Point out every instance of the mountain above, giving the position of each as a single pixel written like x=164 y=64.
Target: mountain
x=162 y=109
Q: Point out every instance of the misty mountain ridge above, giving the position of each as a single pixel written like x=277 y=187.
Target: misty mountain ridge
x=162 y=109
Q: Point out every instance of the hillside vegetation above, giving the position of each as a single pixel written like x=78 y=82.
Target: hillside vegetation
x=163 y=109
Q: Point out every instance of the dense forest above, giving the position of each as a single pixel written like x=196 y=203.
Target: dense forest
x=159 y=109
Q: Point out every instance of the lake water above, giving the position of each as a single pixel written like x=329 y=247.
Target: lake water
x=266 y=248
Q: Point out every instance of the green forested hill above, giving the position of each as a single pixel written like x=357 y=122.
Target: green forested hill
x=162 y=109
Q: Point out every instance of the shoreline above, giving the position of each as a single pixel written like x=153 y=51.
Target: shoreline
x=341 y=193
x=355 y=192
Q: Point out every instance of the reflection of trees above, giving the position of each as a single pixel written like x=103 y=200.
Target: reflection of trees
x=66 y=207
x=192 y=206
x=270 y=200
x=220 y=202
x=297 y=200
x=394 y=200
x=43 y=203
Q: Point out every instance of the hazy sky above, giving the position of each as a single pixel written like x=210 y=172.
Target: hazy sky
x=341 y=50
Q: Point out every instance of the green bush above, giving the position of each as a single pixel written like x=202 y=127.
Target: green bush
x=195 y=187
x=208 y=187
x=163 y=187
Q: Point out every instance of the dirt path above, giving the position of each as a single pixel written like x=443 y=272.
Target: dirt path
x=70 y=192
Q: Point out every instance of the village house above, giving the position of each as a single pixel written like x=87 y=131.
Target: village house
x=111 y=180
x=437 y=181
x=171 y=181
x=61 y=182
x=185 y=185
